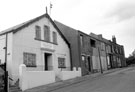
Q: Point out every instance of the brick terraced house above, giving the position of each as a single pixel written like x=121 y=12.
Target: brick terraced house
x=91 y=52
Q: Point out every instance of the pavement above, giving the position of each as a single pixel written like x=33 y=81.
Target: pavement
x=62 y=84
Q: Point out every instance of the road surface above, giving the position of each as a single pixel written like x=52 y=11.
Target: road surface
x=119 y=81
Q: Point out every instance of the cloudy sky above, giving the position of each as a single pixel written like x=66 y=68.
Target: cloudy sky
x=106 y=17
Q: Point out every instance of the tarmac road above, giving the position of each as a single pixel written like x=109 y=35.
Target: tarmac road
x=119 y=81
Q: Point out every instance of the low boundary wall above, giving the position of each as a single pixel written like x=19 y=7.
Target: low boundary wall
x=64 y=75
x=30 y=79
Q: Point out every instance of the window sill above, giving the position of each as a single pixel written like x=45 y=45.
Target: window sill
x=62 y=67
x=30 y=66
x=46 y=41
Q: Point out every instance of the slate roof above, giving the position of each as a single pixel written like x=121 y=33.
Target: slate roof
x=66 y=30
x=63 y=26
x=22 y=25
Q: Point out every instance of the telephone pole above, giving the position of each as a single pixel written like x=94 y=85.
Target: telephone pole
x=100 y=61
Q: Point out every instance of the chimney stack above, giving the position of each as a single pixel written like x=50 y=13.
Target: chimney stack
x=113 y=39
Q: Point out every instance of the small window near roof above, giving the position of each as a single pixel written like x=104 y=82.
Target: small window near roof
x=47 y=33
x=38 y=32
x=55 y=37
x=93 y=43
x=81 y=40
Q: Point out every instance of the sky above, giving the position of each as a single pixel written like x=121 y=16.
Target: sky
x=106 y=17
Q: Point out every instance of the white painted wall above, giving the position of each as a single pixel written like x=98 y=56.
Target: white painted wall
x=30 y=79
x=61 y=50
x=23 y=41
x=64 y=75
x=10 y=54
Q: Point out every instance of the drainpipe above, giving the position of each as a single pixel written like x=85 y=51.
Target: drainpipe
x=5 y=53
x=6 y=72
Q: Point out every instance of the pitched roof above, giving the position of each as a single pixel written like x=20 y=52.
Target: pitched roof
x=20 y=26
x=66 y=30
x=27 y=23
x=63 y=26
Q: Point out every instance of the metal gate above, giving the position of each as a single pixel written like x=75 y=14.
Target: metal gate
x=3 y=78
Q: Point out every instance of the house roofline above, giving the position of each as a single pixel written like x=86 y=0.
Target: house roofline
x=25 y=24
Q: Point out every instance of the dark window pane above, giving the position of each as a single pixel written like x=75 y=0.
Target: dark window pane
x=93 y=43
x=38 y=32
x=61 y=62
x=46 y=33
x=54 y=37
x=81 y=40
x=29 y=59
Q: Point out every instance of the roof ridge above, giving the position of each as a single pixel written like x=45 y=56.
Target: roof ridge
x=65 y=25
x=18 y=27
x=10 y=29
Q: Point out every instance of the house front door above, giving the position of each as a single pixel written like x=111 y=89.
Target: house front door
x=48 y=61
x=89 y=63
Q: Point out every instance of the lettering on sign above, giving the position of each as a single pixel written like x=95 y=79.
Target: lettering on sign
x=47 y=45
